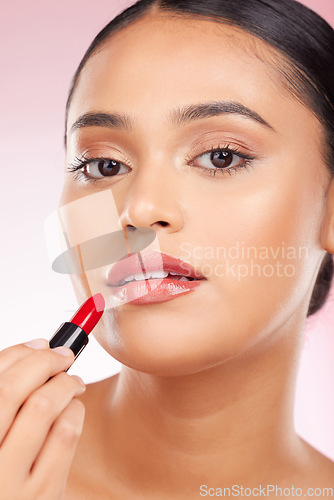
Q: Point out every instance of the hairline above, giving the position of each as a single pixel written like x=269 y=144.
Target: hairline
x=286 y=68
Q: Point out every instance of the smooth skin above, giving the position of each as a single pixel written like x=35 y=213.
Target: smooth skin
x=206 y=391
x=203 y=398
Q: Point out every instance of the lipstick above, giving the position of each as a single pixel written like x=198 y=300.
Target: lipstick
x=152 y=278
x=74 y=333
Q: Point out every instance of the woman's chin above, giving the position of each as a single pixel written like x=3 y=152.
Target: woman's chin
x=163 y=356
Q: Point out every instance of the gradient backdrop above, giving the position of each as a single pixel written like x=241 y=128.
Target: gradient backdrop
x=41 y=46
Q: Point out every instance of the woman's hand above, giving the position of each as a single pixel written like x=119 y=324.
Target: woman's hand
x=40 y=420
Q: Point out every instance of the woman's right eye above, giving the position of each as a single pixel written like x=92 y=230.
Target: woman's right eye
x=104 y=168
x=97 y=168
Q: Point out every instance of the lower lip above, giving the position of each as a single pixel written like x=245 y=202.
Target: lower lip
x=150 y=292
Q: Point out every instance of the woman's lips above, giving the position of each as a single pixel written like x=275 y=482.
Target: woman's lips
x=180 y=278
x=153 y=291
x=147 y=263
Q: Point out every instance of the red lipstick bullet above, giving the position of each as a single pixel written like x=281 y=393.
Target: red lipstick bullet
x=74 y=333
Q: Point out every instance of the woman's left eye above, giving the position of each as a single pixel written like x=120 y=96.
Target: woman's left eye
x=221 y=160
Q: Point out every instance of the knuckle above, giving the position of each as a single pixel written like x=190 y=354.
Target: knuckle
x=78 y=406
x=40 y=404
x=67 y=381
x=68 y=431
x=6 y=350
x=77 y=384
x=14 y=348
x=47 y=360
x=45 y=356
x=10 y=354
x=77 y=409
x=6 y=393
x=41 y=358
x=63 y=378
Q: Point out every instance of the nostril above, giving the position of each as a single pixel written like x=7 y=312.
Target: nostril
x=163 y=223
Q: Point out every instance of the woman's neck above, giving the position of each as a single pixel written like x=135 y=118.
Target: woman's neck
x=230 y=424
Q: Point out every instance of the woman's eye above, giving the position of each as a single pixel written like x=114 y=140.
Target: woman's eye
x=223 y=159
x=219 y=159
x=104 y=168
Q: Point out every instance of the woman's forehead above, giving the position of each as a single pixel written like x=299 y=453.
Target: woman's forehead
x=175 y=38
x=161 y=61
x=167 y=49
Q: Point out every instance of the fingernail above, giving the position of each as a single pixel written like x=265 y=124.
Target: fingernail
x=79 y=379
x=64 y=351
x=37 y=344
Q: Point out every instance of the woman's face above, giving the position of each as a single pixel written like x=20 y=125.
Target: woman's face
x=269 y=201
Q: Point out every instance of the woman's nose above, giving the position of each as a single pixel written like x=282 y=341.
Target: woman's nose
x=152 y=201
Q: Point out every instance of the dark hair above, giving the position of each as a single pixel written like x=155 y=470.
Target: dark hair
x=303 y=39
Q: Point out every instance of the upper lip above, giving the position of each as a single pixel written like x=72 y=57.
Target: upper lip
x=146 y=262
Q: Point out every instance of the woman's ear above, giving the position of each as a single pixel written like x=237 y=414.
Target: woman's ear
x=327 y=228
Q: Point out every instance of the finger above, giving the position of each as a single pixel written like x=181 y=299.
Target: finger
x=52 y=466
x=24 y=377
x=33 y=422
x=14 y=353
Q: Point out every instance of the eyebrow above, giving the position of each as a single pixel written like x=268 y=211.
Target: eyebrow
x=177 y=117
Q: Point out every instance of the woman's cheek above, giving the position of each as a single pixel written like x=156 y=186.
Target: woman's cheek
x=265 y=244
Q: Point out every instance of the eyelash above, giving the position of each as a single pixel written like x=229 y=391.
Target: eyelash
x=223 y=171
x=79 y=164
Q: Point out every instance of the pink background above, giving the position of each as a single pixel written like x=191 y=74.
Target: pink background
x=41 y=46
